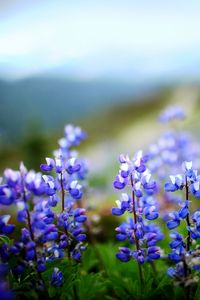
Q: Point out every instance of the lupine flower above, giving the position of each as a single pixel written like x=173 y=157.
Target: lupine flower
x=141 y=205
x=6 y=228
x=168 y=153
x=56 y=278
x=172 y=113
x=182 y=247
x=45 y=235
x=5 y=292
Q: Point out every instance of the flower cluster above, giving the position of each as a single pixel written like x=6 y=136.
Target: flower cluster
x=172 y=113
x=170 y=150
x=48 y=210
x=182 y=250
x=143 y=207
x=168 y=153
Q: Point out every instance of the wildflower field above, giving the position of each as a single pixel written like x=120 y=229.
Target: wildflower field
x=52 y=245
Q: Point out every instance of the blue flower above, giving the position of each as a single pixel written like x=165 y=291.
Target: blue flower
x=124 y=254
x=5 y=292
x=57 y=278
x=73 y=166
x=195 y=189
x=172 y=113
x=48 y=166
x=151 y=212
x=75 y=190
x=177 y=183
x=6 y=228
x=123 y=204
x=177 y=244
x=175 y=220
x=137 y=230
x=153 y=252
x=120 y=182
x=175 y=257
x=184 y=211
x=139 y=256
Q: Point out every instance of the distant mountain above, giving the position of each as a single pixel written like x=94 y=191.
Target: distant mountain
x=51 y=102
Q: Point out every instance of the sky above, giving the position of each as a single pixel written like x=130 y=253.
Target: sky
x=134 y=40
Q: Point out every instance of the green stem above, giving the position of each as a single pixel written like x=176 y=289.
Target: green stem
x=186 y=270
x=29 y=225
x=62 y=193
x=136 y=239
x=187 y=218
x=31 y=234
x=62 y=210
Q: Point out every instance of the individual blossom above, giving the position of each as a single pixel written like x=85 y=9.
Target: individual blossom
x=6 y=228
x=56 y=278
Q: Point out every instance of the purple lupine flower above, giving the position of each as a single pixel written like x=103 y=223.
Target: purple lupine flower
x=195 y=189
x=194 y=227
x=63 y=241
x=124 y=254
x=56 y=278
x=73 y=137
x=51 y=186
x=124 y=204
x=184 y=210
x=174 y=256
x=73 y=165
x=79 y=215
x=5 y=292
x=178 y=271
x=50 y=164
x=30 y=251
x=177 y=183
x=151 y=212
x=140 y=204
x=175 y=220
x=181 y=247
x=177 y=240
x=49 y=235
x=172 y=113
x=120 y=182
x=6 y=228
x=4 y=268
x=153 y=252
x=75 y=190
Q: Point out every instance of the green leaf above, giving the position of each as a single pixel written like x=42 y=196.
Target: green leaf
x=197 y=294
x=52 y=291
x=4 y=239
x=90 y=286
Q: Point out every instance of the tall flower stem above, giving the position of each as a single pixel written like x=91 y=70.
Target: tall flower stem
x=136 y=239
x=29 y=225
x=187 y=271
x=31 y=234
x=153 y=267
x=27 y=208
x=187 y=218
x=62 y=193
x=63 y=208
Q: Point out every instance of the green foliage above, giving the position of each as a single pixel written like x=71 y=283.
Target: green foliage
x=90 y=286
x=4 y=240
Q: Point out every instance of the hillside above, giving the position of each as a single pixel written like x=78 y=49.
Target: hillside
x=53 y=102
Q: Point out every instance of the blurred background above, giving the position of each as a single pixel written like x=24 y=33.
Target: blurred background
x=107 y=66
